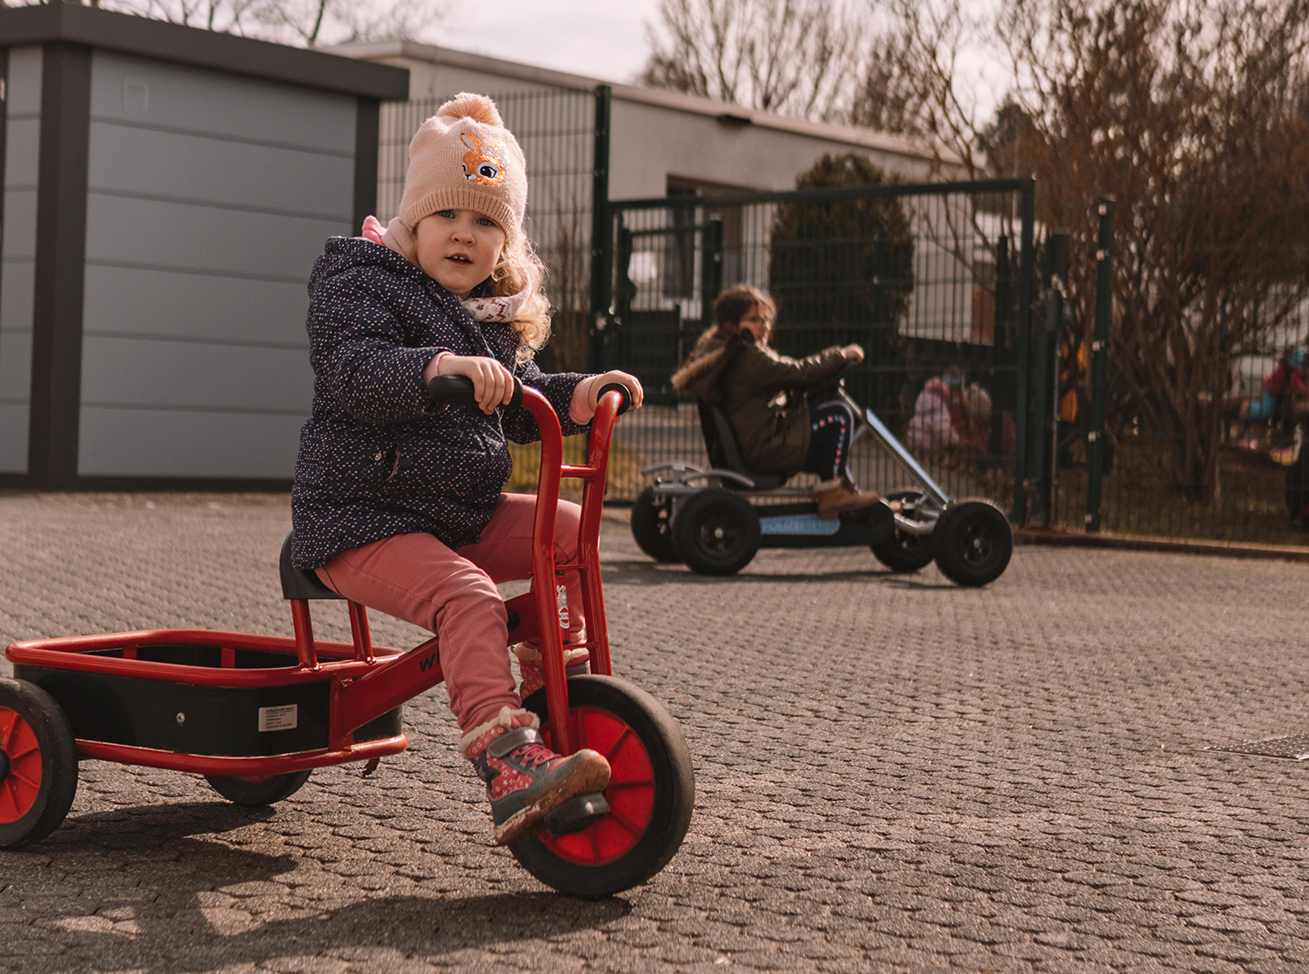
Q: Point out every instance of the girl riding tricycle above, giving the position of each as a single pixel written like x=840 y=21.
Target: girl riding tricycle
x=421 y=338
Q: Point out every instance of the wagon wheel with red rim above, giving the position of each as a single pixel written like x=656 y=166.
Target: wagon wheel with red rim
x=38 y=764
x=258 y=790
x=650 y=794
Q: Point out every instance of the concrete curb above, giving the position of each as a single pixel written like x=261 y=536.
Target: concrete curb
x=1185 y=546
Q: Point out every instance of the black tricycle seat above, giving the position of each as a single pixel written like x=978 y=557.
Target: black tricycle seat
x=297 y=583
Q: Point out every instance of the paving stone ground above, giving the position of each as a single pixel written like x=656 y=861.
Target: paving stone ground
x=892 y=773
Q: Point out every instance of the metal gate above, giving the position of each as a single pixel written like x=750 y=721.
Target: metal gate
x=934 y=280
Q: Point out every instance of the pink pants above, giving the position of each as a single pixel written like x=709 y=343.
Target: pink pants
x=452 y=593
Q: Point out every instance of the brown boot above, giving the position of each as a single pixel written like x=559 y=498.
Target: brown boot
x=842 y=496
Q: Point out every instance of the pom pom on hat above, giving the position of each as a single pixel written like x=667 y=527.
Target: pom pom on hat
x=464 y=158
x=479 y=108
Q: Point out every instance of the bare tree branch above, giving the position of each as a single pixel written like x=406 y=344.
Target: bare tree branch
x=301 y=22
x=794 y=57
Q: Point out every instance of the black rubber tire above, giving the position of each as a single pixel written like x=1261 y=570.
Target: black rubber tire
x=652 y=526
x=673 y=783
x=264 y=791
x=716 y=532
x=904 y=552
x=973 y=542
x=45 y=737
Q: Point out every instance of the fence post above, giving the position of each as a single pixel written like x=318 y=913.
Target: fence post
x=711 y=267
x=1104 y=296
x=601 y=226
x=1002 y=344
x=1044 y=389
x=1026 y=269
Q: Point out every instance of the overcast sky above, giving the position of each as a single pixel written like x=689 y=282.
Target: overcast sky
x=602 y=39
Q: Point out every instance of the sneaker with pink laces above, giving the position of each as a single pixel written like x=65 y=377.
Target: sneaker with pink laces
x=530 y=787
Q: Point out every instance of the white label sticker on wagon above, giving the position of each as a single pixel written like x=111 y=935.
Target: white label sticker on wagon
x=278 y=718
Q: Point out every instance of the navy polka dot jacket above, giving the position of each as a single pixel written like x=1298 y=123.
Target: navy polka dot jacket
x=376 y=459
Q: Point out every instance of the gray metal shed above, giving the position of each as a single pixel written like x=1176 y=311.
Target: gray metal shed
x=166 y=191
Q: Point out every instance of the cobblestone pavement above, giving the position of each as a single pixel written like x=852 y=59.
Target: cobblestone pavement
x=892 y=774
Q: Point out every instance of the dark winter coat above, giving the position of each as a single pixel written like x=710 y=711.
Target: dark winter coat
x=376 y=459
x=750 y=382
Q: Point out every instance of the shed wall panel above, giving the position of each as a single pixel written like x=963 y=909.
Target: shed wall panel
x=195 y=375
x=174 y=97
x=14 y=421
x=22 y=152
x=20 y=224
x=15 y=366
x=22 y=108
x=127 y=232
x=209 y=198
x=23 y=95
x=119 y=442
x=131 y=302
x=126 y=159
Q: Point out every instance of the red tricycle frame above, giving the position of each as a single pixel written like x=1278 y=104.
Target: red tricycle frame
x=367 y=681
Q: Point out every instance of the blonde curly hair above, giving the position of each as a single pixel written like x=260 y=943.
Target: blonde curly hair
x=520 y=269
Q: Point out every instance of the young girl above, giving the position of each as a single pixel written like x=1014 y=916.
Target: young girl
x=397 y=503
x=733 y=366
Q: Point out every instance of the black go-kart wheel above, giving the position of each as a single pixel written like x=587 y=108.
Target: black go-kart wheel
x=38 y=764
x=905 y=552
x=258 y=791
x=652 y=525
x=650 y=794
x=716 y=532
x=973 y=542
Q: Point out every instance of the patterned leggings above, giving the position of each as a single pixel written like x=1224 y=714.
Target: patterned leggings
x=832 y=425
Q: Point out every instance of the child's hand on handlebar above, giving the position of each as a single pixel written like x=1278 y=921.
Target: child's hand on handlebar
x=629 y=382
x=855 y=353
x=493 y=384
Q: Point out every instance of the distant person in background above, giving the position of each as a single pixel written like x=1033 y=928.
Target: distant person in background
x=940 y=420
x=977 y=406
x=1283 y=401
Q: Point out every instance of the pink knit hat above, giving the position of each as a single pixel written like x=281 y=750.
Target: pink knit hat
x=464 y=158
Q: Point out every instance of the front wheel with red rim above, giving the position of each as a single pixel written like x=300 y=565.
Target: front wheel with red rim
x=650 y=794
x=38 y=764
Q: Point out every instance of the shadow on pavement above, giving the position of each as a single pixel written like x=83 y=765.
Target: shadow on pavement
x=132 y=890
x=649 y=573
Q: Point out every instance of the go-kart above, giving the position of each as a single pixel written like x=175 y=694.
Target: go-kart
x=715 y=519
x=256 y=714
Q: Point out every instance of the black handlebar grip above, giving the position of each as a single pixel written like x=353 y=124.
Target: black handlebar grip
x=616 y=387
x=458 y=390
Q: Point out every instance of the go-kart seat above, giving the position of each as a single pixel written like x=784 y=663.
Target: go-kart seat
x=720 y=444
x=298 y=584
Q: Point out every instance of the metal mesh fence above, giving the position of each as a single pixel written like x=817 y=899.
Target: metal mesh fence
x=926 y=278
x=1206 y=397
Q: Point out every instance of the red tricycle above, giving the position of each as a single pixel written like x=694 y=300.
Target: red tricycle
x=256 y=714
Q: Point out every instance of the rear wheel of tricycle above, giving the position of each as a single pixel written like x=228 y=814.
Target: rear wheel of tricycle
x=974 y=542
x=258 y=791
x=38 y=764
x=652 y=525
x=905 y=552
x=716 y=532
x=650 y=794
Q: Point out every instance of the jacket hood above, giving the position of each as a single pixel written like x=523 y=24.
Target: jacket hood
x=343 y=254
x=713 y=351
